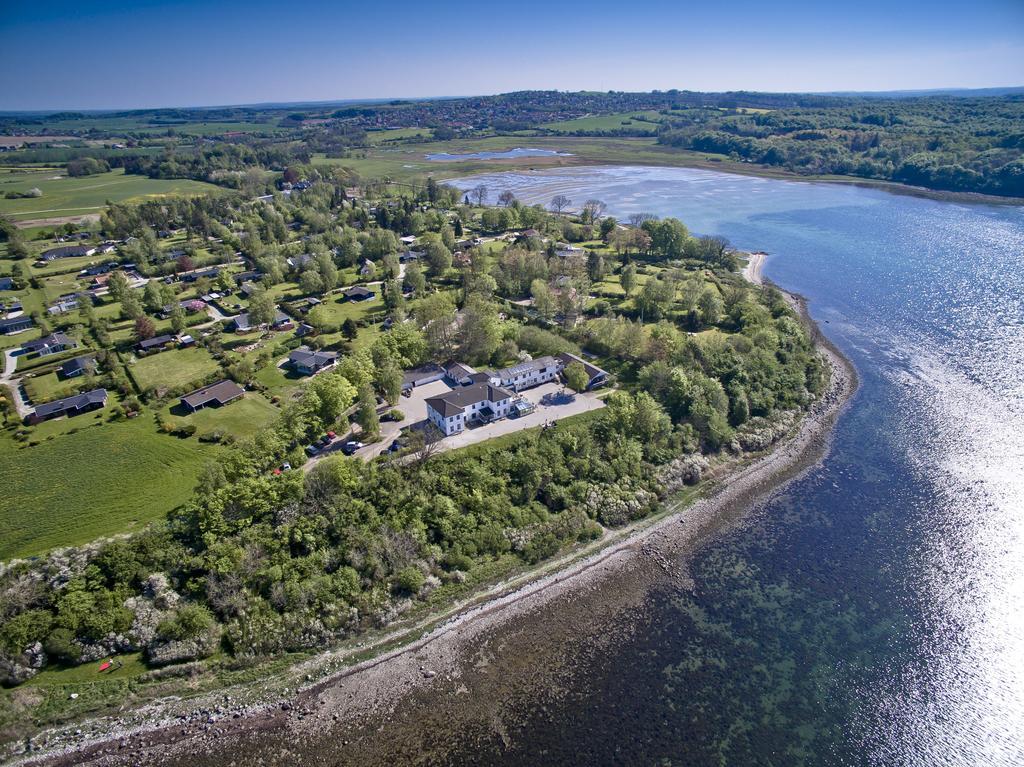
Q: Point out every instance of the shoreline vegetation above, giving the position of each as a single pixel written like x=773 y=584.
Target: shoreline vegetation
x=331 y=696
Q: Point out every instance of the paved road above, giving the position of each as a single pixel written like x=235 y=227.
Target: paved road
x=13 y=382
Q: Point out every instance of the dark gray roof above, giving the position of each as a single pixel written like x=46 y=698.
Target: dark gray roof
x=15 y=322
x=75 y=402
x=6 y=283
x=68 y=251
x=424 y=371
x=310 y=358
x=54 y=339
x=77 y=364
x=592 y=370
x=219 y=393
x=150 y=343
x=358 y=292
x=458 y=400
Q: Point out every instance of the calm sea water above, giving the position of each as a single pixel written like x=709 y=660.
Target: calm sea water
x=873 y=613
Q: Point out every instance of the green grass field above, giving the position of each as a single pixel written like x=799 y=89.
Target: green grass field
x=102 y=480
x=174 y=369
x=65 y=196
x=241 y=418
x=608 y=122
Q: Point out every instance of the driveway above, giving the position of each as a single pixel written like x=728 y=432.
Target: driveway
x=13 y=382
x=415 y=409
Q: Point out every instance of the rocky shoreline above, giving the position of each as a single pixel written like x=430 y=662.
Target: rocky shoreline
x=379 y=711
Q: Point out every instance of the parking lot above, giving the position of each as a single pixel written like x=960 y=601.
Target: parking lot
x=415 y=409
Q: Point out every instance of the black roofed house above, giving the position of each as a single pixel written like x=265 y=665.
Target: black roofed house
x=459 y=374
x=6 y=283
x=297 y=262
x=78 y=366
x=243 y=324
x=16 y=324
x=155 y=344
x=411 y=255
x=70 y=406
x=481 y=402
x=597 y=376
x=250 y=276
x=358 y=293
x=51 y=344
x=367 y=268
x=212 y=274
x=214 y=395
x=306 y=361
x=68 y=251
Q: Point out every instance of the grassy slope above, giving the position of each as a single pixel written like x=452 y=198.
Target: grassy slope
x=65 y=196
x=99 y=481
x=174 y=368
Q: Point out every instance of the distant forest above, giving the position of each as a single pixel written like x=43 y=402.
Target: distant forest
x=942 y=142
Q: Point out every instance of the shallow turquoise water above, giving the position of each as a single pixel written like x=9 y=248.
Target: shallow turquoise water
x=873 y=613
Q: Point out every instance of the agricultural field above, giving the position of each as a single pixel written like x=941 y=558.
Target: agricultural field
x=173 y=369
x=66 y=196
x=648 y=120
x=103 y=479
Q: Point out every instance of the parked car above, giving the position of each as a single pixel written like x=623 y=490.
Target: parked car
x=312 y=450
x=325 y=440
x=286 y=466
x=351 y=446
x=394 y=447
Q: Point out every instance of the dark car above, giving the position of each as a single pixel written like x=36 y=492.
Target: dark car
x=312 y=450
x=325 y=440
x=394 y=447
x=351 y=446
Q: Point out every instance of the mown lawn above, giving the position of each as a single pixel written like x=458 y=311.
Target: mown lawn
x=241 y=418
x=173 y=369
x=105 y=479
x=65 y=196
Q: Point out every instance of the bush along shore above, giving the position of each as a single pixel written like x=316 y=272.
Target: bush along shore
x=684 y=496
x=259 y=570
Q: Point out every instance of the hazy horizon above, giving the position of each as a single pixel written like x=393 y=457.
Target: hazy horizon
x=151 y=54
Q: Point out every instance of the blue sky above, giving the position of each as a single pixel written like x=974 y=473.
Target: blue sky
x=119 y=54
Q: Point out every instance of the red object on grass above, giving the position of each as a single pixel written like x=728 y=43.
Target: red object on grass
x=105 y=665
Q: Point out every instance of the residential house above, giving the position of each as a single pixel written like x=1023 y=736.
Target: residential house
x=249 y=276
x=211 y=274
x=367 y=268
x=51 y=344
x=70 y=406
x=408 y=239
x=358 y=293
x=306 y=361
x=64 y=304
x=526 y=375
x=155 y=344
x=459 y=373
x=597 y=376
x=297 y=262
x=214 y=395
x=480 y=402
x=411 y=255
x=77 y=367
x=242 y=324
x=67 y=251
x=6 y=283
